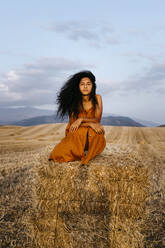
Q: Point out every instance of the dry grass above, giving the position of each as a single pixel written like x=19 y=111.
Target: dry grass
x=117 y=201
x=102 y=205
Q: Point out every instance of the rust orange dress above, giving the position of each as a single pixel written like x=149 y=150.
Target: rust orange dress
x=72 y=146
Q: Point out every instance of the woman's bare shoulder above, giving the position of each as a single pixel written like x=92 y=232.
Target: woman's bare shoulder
x=98 y=96
x=99 y=100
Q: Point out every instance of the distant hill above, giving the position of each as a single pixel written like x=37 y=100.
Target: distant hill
x=10 y=115
x=143 y=122
x=146 y=123
x=162 y=125
x=109 y=120
x=120 y=121
x=27 y=116
x=39 y=120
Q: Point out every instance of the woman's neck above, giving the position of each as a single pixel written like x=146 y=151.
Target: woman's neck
x=85 y=98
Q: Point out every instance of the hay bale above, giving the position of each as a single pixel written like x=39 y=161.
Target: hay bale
x=100 y=205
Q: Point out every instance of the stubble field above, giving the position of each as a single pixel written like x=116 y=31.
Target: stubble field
x=22 y=150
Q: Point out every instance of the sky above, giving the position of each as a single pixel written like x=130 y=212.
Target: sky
x=43 y=43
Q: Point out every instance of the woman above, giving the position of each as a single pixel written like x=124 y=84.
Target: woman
x=78 y=100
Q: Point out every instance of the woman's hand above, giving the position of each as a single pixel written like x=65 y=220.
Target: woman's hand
x=97 y=128
x=75 y=125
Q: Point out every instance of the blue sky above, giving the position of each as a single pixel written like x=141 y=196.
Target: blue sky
x=121 y=42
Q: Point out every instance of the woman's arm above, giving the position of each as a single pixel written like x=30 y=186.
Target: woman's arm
x=94 y=123
x=68 y=125
x=95 y=126
x=91 y=122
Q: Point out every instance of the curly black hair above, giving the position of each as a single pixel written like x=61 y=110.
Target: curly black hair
x=69 y=99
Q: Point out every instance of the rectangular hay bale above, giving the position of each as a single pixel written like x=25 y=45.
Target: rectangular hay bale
x=102 y=205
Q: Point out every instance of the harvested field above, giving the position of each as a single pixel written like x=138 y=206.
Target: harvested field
x=118 y=200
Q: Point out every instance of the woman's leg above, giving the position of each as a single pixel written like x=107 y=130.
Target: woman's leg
x=96 y=145
x=71 y=147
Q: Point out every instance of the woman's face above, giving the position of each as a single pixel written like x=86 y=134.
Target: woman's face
x=85 y=86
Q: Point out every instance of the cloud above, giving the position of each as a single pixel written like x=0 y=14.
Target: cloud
x=148 y=81
x=151 y=57
x=151 y=80
x=76 y=31
x=102 y=33
x=15 y=54
x=36 y=83
x=94 y=33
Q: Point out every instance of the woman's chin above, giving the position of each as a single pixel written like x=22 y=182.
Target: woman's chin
x=85 y=93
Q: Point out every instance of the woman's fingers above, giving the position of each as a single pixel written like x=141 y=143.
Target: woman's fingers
x=99 y=130
x=96 y=128
x=102 y=130
x=73 y=128
x=75 y=125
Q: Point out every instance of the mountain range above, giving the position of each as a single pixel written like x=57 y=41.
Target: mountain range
x=33 y=116
x=109 y=120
